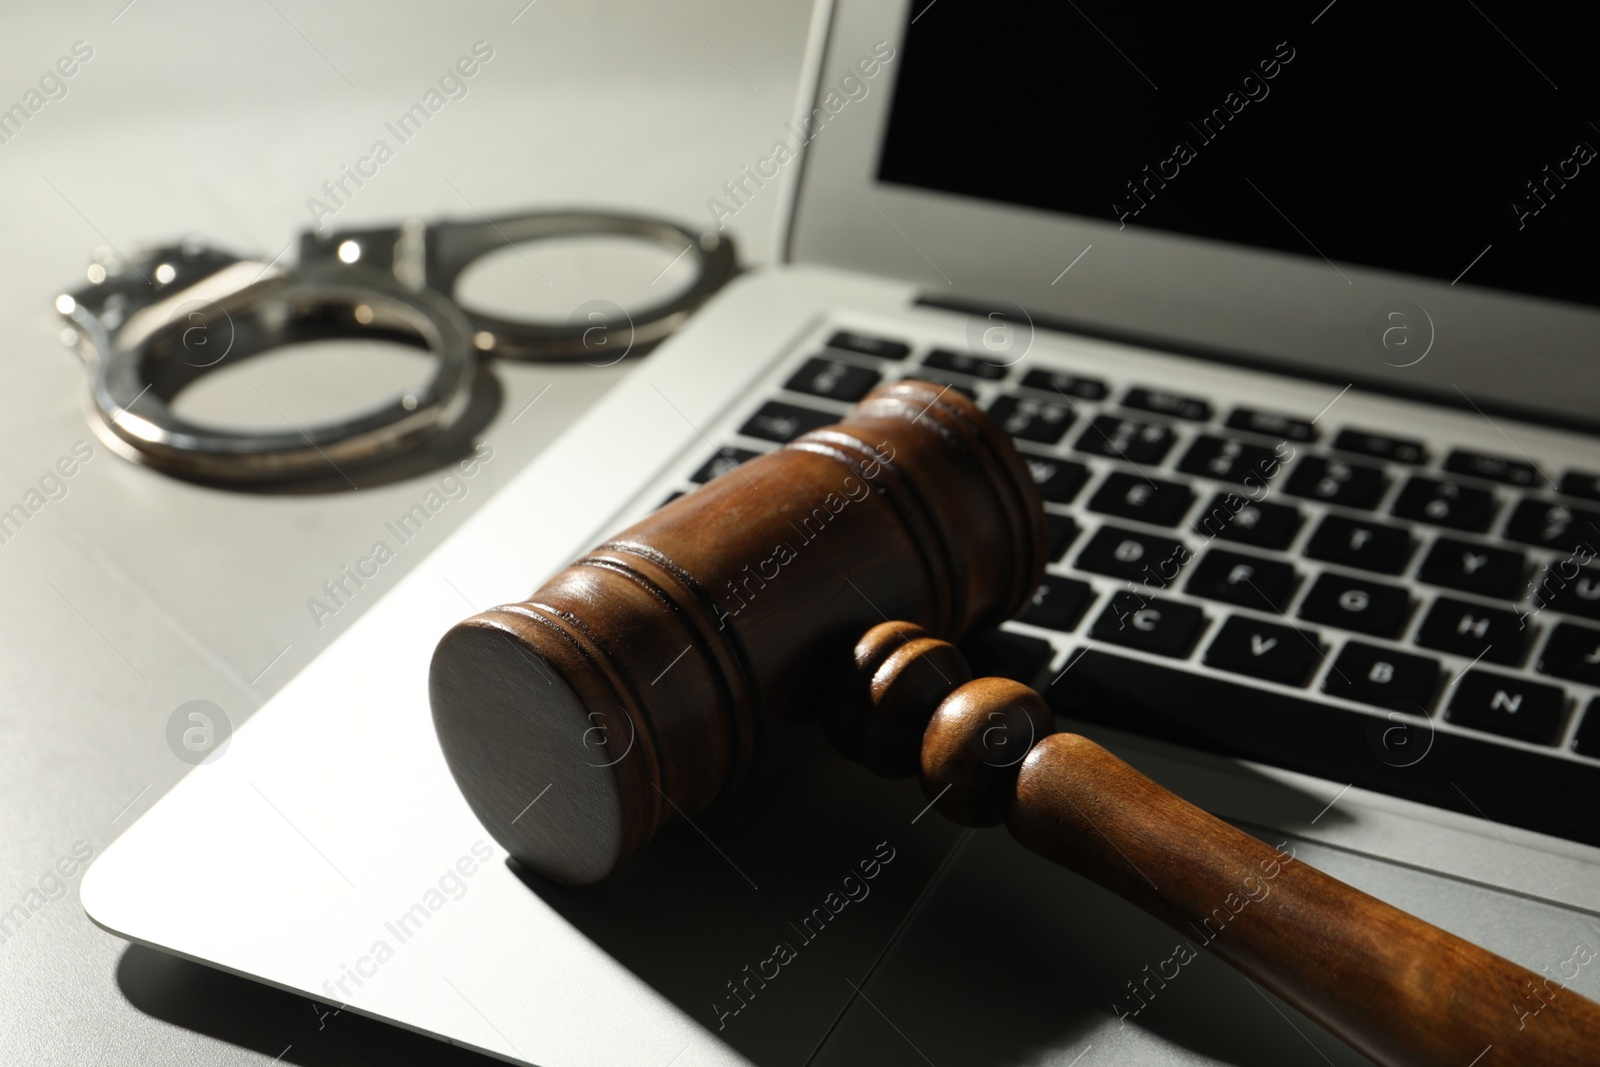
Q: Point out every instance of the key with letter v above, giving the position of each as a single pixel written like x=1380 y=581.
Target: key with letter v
x=1265 y=650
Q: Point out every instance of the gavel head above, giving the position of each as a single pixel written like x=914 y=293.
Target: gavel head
x=699 y=647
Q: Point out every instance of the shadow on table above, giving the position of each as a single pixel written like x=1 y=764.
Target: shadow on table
x=271 y=1021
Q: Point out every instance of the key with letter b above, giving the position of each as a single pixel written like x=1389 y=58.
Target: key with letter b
x=1383 y=677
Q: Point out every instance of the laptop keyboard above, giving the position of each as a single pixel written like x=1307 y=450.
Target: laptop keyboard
x=1332 y=599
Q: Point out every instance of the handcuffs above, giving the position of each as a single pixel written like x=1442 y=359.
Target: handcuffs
x=151 y=326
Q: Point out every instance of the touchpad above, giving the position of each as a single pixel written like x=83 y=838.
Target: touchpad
x=1009 y=959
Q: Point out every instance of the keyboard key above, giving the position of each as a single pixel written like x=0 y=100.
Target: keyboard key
x=1065 y=384
x=1134 y=556
x=724 y=461
x=1557 y=526
x=1510 y=707
x=1581 y=484
x=1063 y=531
x=1129 y=496
x=1337 y=482
x=1446 y=504
x=1570 y=589
x=1269 y=424
x=1587 y=740
x=832 y=379
x=1234 y=518
x=1031 y=420
x=849 y=341
x=780 y=422
x=1357 y=604
x=1164 y=627
x=1381 y=446
x=1058 y=479
x=1368 y=546
x=1471 y=630
x=1002 y=654
x=964 y=363
x=1510 y=785
x=954 y=384
x=1229 y=460
x=1383 y=677
x=1162 y=403
x=1264 y=650
x=1573 y=653
x=1492 y=468
x=1472 y=568
x=1126 y=439
x=1058 y=603
x=1263 y=584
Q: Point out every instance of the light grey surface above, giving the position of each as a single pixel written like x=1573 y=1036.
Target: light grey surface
x=132 y=593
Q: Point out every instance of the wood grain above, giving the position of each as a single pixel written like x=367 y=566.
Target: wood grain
x=1400 y=990
x=821 y=584
x=694 y=650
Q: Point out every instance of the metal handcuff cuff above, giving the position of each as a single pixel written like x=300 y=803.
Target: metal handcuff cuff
x=150 y=327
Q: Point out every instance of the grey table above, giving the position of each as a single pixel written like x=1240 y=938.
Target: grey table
x=127 y=593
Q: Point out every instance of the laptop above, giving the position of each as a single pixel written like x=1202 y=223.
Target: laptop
x=1291 y=312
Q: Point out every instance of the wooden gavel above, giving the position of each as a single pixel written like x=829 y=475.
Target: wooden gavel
x=821 y=584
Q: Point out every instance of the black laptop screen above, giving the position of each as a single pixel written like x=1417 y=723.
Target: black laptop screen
x=1451 y=140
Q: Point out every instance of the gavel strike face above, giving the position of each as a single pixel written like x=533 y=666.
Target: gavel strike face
x=665 y=668
x=821 y=584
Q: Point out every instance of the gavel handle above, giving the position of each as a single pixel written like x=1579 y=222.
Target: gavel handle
x=1402 y=991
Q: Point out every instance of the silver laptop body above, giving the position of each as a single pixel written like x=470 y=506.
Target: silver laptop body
x=1343 y=458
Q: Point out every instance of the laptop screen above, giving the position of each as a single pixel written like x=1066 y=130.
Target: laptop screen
x=1448 y=140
